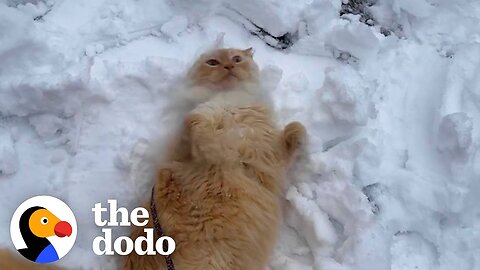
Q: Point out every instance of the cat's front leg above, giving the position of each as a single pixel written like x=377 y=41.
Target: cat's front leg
x=294 y=136
x=180 y=148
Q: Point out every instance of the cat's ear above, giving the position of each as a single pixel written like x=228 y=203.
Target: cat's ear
x=249 y=52
x=219 y=42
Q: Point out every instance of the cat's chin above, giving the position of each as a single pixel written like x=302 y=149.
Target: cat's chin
x=229 y=83
x=196 y=94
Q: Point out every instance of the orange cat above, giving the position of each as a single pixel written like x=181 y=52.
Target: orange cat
x=219 y=196
x=214 y=73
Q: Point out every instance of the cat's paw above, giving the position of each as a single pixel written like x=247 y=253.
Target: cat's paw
x=294 y=136
x=193 y=119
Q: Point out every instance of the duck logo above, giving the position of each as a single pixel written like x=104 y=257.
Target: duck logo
x=43 y=229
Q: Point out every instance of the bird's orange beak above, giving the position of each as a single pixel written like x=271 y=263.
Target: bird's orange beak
x=63 y=229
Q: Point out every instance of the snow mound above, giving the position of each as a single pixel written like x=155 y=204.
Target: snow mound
x=345 y=97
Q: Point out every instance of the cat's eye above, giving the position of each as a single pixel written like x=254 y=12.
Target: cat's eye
x=213 y=62
x=237 y=59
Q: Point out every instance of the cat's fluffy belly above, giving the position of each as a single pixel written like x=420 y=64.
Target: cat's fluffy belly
x=218 y=195
x=225 y=215
x=222 y=204
x=225 y=201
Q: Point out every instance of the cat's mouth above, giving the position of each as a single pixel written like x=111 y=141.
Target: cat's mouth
x=231 y=75
x=229 y=81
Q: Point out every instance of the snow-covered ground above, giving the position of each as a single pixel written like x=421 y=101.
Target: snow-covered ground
x=391 y=100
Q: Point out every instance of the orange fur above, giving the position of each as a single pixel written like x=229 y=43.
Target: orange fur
x=221 y=200
x=219 y=194
x=10 y=261
x=203 y=82
x=227 y=73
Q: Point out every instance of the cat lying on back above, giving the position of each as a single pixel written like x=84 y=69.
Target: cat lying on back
x=218 y=196
x=207 y=78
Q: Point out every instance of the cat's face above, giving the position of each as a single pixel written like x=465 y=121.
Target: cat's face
x=224 y=69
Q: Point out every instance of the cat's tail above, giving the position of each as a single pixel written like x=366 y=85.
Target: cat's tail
x=11 y=261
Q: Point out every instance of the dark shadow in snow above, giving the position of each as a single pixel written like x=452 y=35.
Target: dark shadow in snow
x=360 y=7
x=278 y=42
x=372 y=191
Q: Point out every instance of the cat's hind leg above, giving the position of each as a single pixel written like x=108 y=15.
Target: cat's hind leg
x=134 y=261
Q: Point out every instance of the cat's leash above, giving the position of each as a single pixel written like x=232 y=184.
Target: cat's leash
x=159 y=230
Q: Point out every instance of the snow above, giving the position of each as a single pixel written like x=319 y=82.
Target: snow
x=175 y=26
x=8 y=155
x=389 y=179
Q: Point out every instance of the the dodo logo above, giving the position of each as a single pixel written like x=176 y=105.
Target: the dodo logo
x=43 y=229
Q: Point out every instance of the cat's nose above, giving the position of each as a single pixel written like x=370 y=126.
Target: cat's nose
x=228 y=67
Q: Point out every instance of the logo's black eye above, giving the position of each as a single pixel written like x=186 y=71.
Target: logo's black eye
x=44 y=220
x=213 y=62
x=237 y=59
